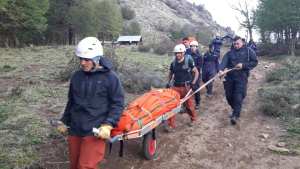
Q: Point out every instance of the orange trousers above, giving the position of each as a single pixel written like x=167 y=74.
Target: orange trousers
x=85 y=152
x=190 y=105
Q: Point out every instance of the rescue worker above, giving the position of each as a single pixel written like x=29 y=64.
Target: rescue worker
x=95 y=99
x=228 y=37
x=186 y=42
x=244 y=41
x=217 y=43
x=181 y=73
x=198 y=60
x=210 y=68
x=251 y=44
x=243 y=60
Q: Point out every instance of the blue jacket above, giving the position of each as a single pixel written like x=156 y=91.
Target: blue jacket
x=95 y=98
x=245 y=55
x=217 y=43
x=210 y=63
x=252 y=45
x=188 y=51
x=198 y=60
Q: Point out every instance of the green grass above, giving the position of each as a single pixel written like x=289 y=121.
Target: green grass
x=4 y=109
x=149 y=61
x=29 y=78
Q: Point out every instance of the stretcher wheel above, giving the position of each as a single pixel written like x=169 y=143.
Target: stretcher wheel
x=149 y=146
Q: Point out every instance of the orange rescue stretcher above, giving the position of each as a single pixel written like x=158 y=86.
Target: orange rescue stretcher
x=144 y=114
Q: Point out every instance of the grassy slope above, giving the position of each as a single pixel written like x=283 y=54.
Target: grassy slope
x=31 y=94
x=280 y=97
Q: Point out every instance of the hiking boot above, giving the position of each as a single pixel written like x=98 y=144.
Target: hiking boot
x=233 y=120
x=209 y=95
x=191 y=124
x=167 y=128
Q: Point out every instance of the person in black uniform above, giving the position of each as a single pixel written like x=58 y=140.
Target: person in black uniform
x=243 y=59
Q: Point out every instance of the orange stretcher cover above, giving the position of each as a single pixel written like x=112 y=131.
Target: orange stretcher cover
x=146 y=108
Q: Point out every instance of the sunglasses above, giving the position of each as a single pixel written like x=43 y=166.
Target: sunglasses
x=177 y=53
x=85 y=59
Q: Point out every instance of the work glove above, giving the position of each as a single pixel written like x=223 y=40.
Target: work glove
x=62 y=128
x=104 y=131
x=239 y=66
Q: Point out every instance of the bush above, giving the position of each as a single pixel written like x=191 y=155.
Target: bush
x=135 y=81
x=280 y=100
x=144 y=48
x=269 y=49
x=72 y=66
x=163 y=47
x=7 y=68
x=127 y=13
x=290 y=71
x=133 y=28
x=280 y=97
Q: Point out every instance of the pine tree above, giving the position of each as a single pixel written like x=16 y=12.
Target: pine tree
x=281 y=18
x=21 y=21
x=110 y=17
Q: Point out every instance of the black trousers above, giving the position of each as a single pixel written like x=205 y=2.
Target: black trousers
x=206 y=77
x=236 y=91
x=197 y=95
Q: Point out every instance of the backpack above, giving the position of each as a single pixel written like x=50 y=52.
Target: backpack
x=187 y=59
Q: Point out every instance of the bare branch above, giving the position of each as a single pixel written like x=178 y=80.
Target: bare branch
x=247 y=15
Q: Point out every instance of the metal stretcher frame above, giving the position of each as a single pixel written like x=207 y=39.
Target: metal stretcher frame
x=148 y=131
x=147 y=128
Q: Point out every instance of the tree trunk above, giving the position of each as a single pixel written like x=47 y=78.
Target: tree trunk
x=293 y=42
x=250 y=33
x=70 y=36
x=262 y=35
x=16 y=41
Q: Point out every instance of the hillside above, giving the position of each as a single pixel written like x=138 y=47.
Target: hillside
x=158 y=17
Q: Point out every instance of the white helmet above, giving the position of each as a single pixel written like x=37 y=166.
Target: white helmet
x=194 y=43
x=89 y=48
x=179 y=48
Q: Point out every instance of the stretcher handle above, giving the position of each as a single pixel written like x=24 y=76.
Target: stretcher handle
x=114 y=139
x=189 y=94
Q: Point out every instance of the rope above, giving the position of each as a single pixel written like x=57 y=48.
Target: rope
x=189 y=94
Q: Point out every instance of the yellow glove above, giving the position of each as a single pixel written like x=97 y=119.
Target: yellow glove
x=104 y=131
x=62 y=128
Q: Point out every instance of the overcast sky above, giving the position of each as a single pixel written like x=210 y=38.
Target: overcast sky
x=224 y=15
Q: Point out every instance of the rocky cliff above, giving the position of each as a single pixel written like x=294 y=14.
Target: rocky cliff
x=158 y=17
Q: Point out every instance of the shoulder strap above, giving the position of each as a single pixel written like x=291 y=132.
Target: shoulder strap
x=173 y=64
x=248 y=54
x=188 y=58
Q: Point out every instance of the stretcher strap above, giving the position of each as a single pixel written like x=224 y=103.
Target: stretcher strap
x=139 y=120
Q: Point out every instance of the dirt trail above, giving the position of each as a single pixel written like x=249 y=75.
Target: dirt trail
x=213 y=143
